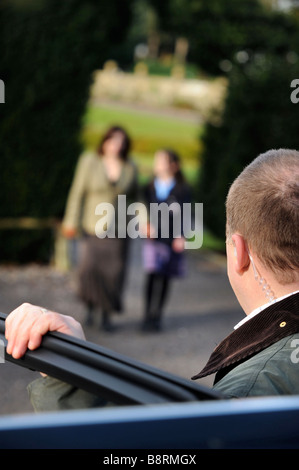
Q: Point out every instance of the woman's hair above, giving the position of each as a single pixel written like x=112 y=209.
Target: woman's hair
x=174 y=158
x=126 y=145
x=263 y=206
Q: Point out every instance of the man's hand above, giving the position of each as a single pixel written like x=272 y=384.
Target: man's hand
x=26 y=325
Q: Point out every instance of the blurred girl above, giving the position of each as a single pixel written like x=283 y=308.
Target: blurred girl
x=163 y=257
x=100 y=177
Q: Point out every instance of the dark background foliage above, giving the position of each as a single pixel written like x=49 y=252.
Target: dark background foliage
x=260 y=48
x=49 y=48
x=259 y=115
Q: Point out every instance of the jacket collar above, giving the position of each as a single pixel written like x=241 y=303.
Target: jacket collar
x=277 y=321
x=262 y=307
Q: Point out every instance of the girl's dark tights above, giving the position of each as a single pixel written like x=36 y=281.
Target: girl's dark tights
x=156 y=290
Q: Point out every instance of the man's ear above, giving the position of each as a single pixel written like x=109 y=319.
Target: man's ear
x=242 y=260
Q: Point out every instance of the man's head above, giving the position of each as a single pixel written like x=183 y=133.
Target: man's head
x=263 y=208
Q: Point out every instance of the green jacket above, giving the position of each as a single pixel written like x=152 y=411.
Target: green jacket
x=91 y=187
x=260 y=358
x=273 y=371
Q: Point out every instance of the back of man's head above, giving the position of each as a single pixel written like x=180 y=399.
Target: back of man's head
x=263 y=206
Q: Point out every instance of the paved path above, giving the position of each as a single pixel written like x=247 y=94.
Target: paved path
x=201 y=310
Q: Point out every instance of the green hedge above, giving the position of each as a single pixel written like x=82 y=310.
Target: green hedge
x=49 y=49
x=217 y=30
x=259 y=115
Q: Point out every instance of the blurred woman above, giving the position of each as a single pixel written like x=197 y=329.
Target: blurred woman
x=100 y=177
x=163 y=257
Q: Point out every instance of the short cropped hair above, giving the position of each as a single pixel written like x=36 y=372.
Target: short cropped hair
x=263 y=206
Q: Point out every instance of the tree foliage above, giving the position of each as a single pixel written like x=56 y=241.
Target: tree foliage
x=217 y=30
x=49 y=49
x=259 y=115
x=260 y=48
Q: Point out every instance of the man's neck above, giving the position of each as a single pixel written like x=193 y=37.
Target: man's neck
x=259 y=309
x=259 y=291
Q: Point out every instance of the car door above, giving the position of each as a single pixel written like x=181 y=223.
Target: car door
x=105 y=373
x=154 y=409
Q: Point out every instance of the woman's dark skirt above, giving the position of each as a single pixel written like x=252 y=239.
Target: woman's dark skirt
x=101 y=272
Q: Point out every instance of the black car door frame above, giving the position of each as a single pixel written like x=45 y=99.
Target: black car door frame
x=105 y=373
